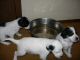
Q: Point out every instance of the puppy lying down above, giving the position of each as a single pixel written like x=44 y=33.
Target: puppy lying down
x=9 y=29
x=40 y=46
x=67 y=37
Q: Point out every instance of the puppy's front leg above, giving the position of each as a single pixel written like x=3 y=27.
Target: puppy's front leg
x=68 y=52
x=43 y=56
x=15 y=56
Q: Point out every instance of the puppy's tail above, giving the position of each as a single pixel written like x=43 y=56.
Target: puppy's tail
x=12 y=40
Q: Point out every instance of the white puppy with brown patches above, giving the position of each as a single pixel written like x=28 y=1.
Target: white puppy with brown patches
x=40 y=46
x=9 y=29
x=67 y=37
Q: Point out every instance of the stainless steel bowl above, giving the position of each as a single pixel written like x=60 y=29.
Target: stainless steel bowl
x=45 y=27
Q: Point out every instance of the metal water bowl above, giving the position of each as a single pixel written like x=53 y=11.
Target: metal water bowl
x=45 y=28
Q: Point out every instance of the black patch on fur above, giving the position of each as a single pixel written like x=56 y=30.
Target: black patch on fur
x=50 y=48
x=2 y=24
x=23 y=22
x=66 y=33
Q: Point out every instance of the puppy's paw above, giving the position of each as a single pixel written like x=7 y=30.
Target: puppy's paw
x=69 y=55
x=28 y=27
x=5 y=43
x=18 y=34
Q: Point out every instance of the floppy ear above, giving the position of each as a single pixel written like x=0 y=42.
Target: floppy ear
x=2 y=24
x=67 y=32
x=23 y=22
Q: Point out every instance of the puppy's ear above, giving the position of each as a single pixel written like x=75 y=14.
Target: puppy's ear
x=2 y=24
x=50 y=48
x=67 y=32
x=23 y=22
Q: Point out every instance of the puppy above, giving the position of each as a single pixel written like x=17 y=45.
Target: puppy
x=40 y=46
x=67 y=37
x=10 y=28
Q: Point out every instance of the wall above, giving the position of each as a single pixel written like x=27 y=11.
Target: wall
x=57 y=9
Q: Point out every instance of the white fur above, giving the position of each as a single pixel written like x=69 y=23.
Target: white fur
x=37 y=46
x=10 y=29
x=68 y=42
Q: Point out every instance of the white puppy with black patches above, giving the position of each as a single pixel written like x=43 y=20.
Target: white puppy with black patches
x=40 y=46
x=10 y=28
x=67 y=37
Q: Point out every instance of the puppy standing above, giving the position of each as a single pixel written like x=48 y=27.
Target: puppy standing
x=67 y=38
x=10 y=28
x=41 y=46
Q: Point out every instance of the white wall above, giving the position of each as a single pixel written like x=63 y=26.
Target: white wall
x=57 y=9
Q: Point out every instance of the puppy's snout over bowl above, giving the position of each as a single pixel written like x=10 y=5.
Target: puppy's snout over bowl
x=45 y=27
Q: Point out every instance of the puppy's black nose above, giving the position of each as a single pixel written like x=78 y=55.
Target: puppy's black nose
x=77 y=38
